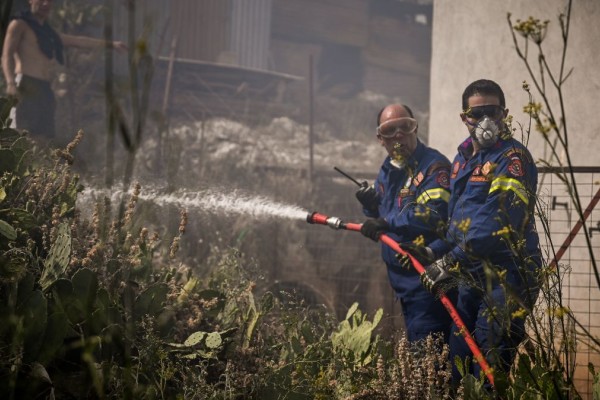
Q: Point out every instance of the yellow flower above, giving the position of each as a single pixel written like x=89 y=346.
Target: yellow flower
x=559 y=311
x=396 y=155
x=419 y=240
x=520 y=313
x=543 y=128
x=464 y=225
x=532 y=108
x=502 y=232
x=533 y=28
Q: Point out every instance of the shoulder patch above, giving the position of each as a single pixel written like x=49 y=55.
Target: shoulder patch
x=514 y=152
x=443 y=179
x=418 y=179
x=487 y=168
x=437 y=165
x=515 y=168
x=455 y=168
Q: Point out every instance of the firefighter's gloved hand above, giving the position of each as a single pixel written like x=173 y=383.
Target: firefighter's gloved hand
x=368 y=197
x=436 y=276
x=373 y=228
x=423 y=254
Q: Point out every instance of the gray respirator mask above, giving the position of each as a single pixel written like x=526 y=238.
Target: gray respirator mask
x=486 y=132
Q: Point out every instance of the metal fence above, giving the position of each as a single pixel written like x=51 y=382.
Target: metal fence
x=581 y=291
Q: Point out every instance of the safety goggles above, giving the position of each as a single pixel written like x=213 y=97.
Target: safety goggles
x=393 y=127
x=493 y=111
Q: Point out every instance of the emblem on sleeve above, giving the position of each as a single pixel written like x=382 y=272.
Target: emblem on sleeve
x=516 y=167
x=487 y=168
x=418 y=179
x=443 y=179
x=455 y=168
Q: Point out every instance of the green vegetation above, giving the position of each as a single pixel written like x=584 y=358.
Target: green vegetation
x=104 y=309
x=100 y=309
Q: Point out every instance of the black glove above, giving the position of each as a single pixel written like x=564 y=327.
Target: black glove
x=423 y=254
x=436 y=277
x=373 y=228
x=368 y=197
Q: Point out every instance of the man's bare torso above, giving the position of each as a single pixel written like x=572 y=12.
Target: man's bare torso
x=29 y=59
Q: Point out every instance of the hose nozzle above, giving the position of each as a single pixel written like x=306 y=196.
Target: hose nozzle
x=332 y=222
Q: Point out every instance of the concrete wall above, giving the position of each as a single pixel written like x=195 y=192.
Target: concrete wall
x=472 y=40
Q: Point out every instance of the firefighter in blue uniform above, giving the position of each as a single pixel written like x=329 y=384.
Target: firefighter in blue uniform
x=409 y=203
x=491 y=241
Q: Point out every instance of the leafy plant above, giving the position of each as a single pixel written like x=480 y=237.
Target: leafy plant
x=353 y=340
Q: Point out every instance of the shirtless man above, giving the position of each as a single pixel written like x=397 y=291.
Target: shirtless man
x=31 y=50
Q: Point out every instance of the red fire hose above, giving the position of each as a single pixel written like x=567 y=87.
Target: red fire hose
x=336 y=223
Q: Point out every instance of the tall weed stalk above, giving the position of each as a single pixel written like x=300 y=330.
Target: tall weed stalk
x=548 y=363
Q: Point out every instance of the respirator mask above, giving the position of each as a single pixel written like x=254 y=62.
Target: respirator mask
x=485 y=122
x=486 y=132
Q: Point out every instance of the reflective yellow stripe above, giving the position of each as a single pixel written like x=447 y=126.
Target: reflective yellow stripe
x=433 y=194
x=510 y=184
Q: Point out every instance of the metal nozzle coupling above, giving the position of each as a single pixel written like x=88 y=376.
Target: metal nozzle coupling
x=334 y=222
x=316 y=218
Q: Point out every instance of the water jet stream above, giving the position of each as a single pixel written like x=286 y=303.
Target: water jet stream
x=207 y=200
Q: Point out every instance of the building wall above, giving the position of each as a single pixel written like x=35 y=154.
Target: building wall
x=483 y=48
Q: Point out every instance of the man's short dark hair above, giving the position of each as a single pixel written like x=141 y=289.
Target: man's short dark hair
x=483 y=87
x=408 y=110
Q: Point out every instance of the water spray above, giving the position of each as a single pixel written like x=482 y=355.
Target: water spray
x=214 y=201
x=337 y=223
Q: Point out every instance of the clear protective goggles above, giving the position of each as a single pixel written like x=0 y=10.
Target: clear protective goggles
x=393 y=127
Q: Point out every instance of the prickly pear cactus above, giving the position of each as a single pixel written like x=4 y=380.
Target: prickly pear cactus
x=195 y=338
x=85 y=288
x=213 y=340
x=8 y=161
x=354 y=337
x=151 y=301
x=58 y=258
x=7 y=230
x=33 y=314
x=200 y=345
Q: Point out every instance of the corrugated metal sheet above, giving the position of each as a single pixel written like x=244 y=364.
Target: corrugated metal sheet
x=202 y=28
x=250 y=32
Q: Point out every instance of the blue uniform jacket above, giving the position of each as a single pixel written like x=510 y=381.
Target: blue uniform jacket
x=491 y=208
x=414 y=201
